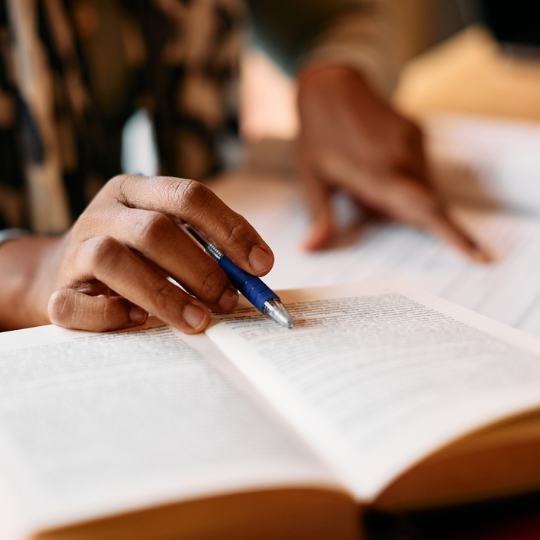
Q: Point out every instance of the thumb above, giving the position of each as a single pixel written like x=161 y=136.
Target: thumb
x=318 y=198
x=416 y=204
x=73 y=309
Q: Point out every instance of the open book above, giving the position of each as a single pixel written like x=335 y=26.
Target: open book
x=383 y=395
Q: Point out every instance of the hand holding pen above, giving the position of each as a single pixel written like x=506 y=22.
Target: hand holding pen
x=110 y=270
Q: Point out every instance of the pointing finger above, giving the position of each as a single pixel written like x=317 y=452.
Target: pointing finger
x=318 y=199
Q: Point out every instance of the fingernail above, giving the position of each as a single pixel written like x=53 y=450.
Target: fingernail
x=194 y=316
x=228 y=300
x=260 y=260
x=137 y=315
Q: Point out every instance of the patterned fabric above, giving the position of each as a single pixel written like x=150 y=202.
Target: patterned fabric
x=73 y=71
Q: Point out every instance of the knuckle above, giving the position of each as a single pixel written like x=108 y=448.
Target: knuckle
x=113 y=310
x=152 y=227
x=163 y=297
x=118 y=180
x=189 y=194
x=104 y=251
x=212 y=286
x=118 y=184
x=240 y=232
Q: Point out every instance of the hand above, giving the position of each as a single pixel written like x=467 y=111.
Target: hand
x=110 y=270
x=354 y=141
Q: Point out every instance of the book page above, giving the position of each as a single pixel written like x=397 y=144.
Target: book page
x=507 y=290
x=377 y=376
x=96 y=424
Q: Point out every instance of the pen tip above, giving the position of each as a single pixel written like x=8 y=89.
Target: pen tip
x=274 y=309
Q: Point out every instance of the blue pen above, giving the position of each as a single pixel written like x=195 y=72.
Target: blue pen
x=263 y=298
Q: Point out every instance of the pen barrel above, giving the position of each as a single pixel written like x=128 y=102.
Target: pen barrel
x=250 y=286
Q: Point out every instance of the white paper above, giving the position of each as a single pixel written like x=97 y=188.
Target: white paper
x=94 y=424
x=377 y=376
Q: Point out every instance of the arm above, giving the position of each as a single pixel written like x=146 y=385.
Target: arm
x=111 y=268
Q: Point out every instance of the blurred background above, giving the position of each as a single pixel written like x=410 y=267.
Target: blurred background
x=468 y=56
x=268 y=95
x=479 y=57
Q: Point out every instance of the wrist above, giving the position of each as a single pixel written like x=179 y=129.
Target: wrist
x=27 y=265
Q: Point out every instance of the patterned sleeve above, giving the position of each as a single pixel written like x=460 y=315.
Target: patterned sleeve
x=355 y=32
x=12 y=203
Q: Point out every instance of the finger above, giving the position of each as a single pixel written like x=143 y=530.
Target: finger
x=73 y=309
x=159 y=240
x=438 y=221
x=415 y=204
x=407 y=200
x=414 y=163
x=114 y=264
x=450 y=232
x=192 y=202
x=318 y=198
x=369 y=215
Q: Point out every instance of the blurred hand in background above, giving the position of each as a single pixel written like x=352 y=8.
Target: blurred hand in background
x=352 y=140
